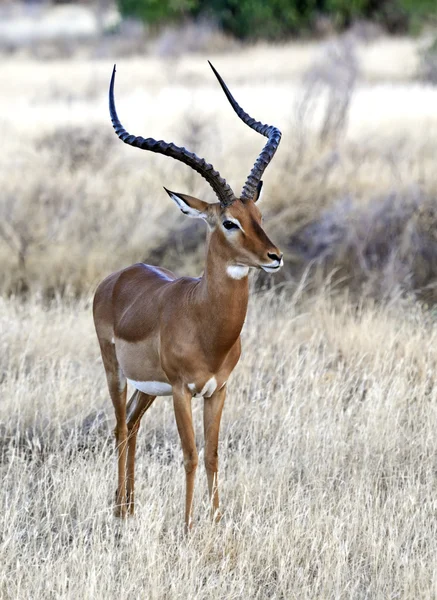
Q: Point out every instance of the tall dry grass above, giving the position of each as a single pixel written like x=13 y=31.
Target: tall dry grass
x=357 y=160
x=327 y=462
x=328 y=437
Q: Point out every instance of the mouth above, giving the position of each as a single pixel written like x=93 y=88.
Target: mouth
x=273 y=267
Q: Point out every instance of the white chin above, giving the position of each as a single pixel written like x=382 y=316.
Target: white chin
x=270 y=269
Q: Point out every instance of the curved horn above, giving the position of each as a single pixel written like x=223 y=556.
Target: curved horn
x=223 y=191
x=269 y=131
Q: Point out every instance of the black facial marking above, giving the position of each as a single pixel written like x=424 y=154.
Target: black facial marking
x=230 y=225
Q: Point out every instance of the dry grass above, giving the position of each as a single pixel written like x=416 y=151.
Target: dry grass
x=75 y=203
x=328 y=439
x=327 y=462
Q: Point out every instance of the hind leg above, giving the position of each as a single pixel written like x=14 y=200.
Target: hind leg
x=117 y=386
x=137 y=406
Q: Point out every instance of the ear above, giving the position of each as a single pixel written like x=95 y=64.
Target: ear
x=193 y=207
x=258 y=194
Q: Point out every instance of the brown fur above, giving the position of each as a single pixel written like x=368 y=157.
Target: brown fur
x=153 y=326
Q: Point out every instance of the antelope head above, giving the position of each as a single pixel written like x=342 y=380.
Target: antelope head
x=235 y=223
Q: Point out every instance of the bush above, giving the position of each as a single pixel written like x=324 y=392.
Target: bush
x=278 y=19
x=272 y=20
x=157 y=11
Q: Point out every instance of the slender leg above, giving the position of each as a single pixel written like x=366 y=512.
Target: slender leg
x=212 y=414
x=137 y=406
x=184 y=421
x=120 y=441
x=117 y=390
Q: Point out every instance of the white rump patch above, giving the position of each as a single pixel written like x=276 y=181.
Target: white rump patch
x=237 y=271
x=153 y=388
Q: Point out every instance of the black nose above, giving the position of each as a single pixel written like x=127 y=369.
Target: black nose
x=274 y=256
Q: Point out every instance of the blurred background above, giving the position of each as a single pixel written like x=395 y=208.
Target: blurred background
x=351 y=193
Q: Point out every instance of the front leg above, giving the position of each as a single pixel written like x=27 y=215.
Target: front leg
x=184 y=421
x=212 y=414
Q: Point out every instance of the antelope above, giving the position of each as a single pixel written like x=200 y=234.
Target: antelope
x=180 y=336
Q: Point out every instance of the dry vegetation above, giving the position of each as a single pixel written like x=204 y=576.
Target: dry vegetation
x=327 y=462
x=353 y=186
x=328 y=441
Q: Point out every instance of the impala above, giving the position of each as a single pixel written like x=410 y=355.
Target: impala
x=180 y=336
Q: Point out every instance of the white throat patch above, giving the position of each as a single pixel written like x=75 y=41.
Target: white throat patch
x=237 y=271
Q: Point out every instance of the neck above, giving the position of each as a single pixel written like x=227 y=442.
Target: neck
x=224 y=288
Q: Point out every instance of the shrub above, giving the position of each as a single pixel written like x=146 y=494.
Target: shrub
x=248 y=19
x=157 y=11
x=278 y=19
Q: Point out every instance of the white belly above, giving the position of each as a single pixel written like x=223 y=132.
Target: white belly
x=159 y=388
x=153 y=388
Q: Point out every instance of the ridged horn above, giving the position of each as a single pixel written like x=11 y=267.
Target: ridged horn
x=223 y=191
x=269 y=131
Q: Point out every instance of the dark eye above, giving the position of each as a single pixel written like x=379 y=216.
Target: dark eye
x=230 y=225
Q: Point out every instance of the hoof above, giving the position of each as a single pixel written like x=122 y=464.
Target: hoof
x=217 y=516
x=188 y=527
x=120 y=511
x=130 y=504
x=120 y=508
